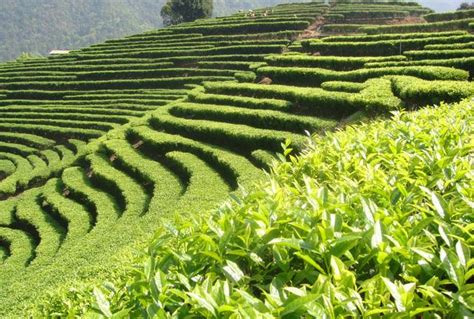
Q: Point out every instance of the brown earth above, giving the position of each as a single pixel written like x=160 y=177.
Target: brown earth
x=313 y=31
x=407 y=20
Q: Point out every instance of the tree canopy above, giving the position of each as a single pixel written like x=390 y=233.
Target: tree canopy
x=177 y=11
x=466 y=6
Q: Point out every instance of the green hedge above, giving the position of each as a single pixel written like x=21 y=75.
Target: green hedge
x=131 y=64
x=379 y=48
x=233 y=65
x=315 y=100
x=240 y=101
x=51 y=131
x=419 y=92
x=145 y=74
x=15 y=148
x=154 y=54
x=328 y=62
x=149 y=48
x=67 y=116
x=341 y=28
x=19 y=178
x=316 y=76
x=130 y=195
x=400 y=36
x=448 y=16
x=457 y=46
x=266 y=119
x=21 y=248
x=69 y=108
x=236 y=137
x=100 y=205
x=79 y=220
x=50 y=230
x=466 y=64
x=352 y=14
x=21 y=78
x=116 y=84
x=439 y=54
x=27 y=139
x=59 y=123
x=250 y=27
x=340 y=86
x=427 y=27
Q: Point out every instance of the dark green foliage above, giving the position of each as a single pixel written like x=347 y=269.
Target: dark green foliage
x=460 y=14
x=340 y=86
x=267 y=119
x=462 y=24
x=417 y=92
x=316 y=76
x=379 y=48
x=439 y=54
x=327 y=62
x=240 y=101
x=245 y=27
x=376 y=96
x=466 y=64
x=400 y=36
x=237 y=137
x=178 y=11
x=341 y=28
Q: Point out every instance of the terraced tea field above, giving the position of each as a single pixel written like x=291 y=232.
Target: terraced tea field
x=100 y=146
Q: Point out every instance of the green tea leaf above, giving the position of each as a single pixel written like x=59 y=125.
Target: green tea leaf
x=233 y=272
x=436 y=202
x=298 y=304
x=102 y=303
x=377 y=237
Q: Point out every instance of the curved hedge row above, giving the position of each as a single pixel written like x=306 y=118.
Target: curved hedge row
x=462 y=24
x=379 y=48
x=466 y=64
x=419 y=92
x=328 y=62
x=315 y=76
x=399 y=36
x=448 y=16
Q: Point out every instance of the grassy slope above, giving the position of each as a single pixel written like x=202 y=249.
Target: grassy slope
x=375 y=219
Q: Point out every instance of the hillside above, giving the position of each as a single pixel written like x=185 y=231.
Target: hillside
x=103 y=147
x=39 y=26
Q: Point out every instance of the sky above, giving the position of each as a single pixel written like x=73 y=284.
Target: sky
x=443 y=5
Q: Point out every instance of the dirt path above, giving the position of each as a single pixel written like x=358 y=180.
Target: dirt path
x=313 y=31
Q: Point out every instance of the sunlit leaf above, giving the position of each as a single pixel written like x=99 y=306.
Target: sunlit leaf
x=102 y=303
x=233 y=271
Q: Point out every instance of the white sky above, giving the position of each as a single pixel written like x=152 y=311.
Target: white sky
x=443 y=5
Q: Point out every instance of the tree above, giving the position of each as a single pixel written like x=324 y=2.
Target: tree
x=466 y=6
x=177 y=11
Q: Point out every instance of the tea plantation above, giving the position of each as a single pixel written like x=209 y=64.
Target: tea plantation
x=106 y=147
